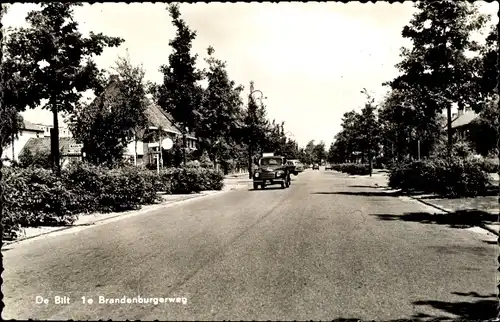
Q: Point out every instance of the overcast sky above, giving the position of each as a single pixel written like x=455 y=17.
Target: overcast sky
x=311 y=60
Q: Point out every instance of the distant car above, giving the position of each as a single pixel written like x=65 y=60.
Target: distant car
x=328 y=167
x=296 y=166
x=315 y=166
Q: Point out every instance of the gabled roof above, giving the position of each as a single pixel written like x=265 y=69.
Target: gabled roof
x=28 y=126
x=157 y=117
x=464 y=119
x=36 y=145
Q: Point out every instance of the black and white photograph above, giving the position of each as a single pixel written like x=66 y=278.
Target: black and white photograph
x=250 y=161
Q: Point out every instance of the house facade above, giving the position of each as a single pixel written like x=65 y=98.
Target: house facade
x=461 y=123
x=28 y=131
x=145 y=150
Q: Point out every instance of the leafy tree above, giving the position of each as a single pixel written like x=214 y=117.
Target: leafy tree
x=437 y=67
x=484 y=130
x=107 y=125
x=220 y=111
x=307 y=153
x=369 y=131
x=255 y=128
x=13 y=99
x=56 y=60
x=488 y=67
x=133 y=90
x=180 y=94
x=319 y=152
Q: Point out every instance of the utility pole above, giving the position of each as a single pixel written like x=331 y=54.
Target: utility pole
x=251 y=114
x=251 y=119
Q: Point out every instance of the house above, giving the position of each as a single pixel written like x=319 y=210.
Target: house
x=42 y=146
x=64 y=131
x=160 y=125
x=28 y=131
x=461 y=122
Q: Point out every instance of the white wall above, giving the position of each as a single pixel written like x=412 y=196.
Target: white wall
x=130 y=150
x=19 y=144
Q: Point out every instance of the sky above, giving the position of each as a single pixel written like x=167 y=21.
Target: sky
x=311 y=60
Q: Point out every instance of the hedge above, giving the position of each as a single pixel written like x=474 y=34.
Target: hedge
x=35 y=197
x=352 y=168
x=453 y=177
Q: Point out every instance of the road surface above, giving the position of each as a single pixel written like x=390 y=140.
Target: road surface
x=326 y=248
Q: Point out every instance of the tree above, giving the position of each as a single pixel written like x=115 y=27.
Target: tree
x=133 y=90
x=484 y=130
x=13 y=99
x=437 y=67
x=107 y=125
x=56 y=60
x=180 y=95
x=256 y=128
x=369 y=133
x=319 y=152
x=220 y=111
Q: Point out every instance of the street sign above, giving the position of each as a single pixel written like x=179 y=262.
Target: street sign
x=167 y=144
x=75 y=148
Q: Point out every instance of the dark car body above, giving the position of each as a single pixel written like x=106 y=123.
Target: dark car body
x=315 y=166
x=272 y=170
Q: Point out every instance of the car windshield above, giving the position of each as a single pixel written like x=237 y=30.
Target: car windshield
x=270 y=161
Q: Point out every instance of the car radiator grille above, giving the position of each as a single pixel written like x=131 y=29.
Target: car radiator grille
x=267 y=175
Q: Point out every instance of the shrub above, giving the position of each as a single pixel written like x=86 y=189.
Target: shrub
x=41 y=159
x=352 y=168
x=193 y=179
x=35 y=197
x=489 y=165
x=118 y=189
x=454 y=177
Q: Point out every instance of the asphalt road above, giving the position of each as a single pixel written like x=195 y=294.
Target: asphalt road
x=326 y=248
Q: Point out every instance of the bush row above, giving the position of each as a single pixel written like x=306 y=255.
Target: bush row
x=35 y=197
x=352 y=168
x=449 y=177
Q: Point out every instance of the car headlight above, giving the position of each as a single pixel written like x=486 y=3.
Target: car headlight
x=256 y=174
x=279 y=173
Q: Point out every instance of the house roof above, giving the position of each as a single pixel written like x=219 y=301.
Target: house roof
x=157 y=117
x=28 y=126
x=464 y=119
x=36 y=145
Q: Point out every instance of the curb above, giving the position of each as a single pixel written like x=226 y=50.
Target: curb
x=125 y=214
x=483 y=226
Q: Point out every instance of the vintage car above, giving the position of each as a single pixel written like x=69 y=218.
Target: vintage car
x=316 y=166
x=296 y=166
x=272 y=170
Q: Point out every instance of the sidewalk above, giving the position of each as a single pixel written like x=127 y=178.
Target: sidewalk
x=93 y=219
x=482 y=211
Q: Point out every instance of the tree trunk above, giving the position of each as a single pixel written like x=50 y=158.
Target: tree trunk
x=450 y=134
x=13 y=141
x=370 y=163
x=55 y=140
x=135 y=149
x=250 y=163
